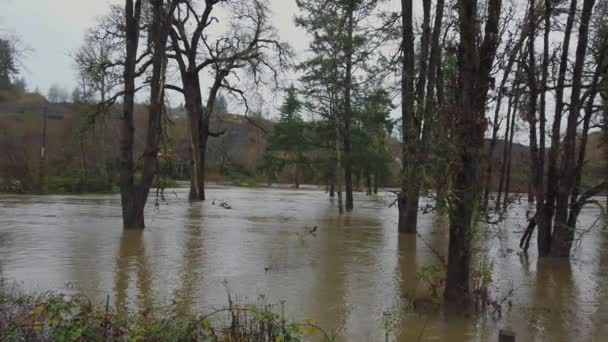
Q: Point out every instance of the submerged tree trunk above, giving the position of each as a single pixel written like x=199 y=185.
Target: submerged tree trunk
x=510 y=156
x=544 y=233
x=536 y=174
x=546 y=222
x=575 y=207
x=368 y=181
x=416 y=150
x=495 y=125
x=407 y=113
x=474 y=66
x=134 y=196
x=132 y=210
x=563 y=233
x=338 y=171
x=376 y=181
x=505 y=156
x=296 y=176
x=194 y=108
x=348 y=163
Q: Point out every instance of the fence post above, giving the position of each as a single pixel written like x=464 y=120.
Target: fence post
x=506 y=336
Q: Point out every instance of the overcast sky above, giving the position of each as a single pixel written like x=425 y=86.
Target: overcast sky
x=53 y=29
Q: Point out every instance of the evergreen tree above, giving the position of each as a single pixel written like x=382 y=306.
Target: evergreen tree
x=8 y=65
x=373 y=124
x=287 y=143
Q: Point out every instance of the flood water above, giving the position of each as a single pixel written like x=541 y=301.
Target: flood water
x=346 y=276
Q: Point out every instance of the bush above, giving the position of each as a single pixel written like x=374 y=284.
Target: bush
x=57 y=317
x=67 y=184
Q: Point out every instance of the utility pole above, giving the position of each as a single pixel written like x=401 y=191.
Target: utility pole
x=42 y=179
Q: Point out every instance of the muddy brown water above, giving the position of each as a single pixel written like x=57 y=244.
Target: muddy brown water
x=355 y=275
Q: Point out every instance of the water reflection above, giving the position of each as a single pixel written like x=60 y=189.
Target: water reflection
x=344 y=276
x=190 y=271
x=600 y=314
x=132 y=269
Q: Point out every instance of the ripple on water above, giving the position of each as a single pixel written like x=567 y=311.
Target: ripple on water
x=345 y=276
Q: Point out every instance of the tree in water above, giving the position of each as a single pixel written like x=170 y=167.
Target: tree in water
x=345 y=42
x=134 y=192
x=419 y=106
x=371 y=128
x=475 y=61
x=251 y=44
x=559 y=202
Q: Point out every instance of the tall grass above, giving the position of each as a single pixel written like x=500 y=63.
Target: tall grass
x=56 y=317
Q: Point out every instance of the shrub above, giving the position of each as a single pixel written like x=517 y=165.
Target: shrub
x=58 y=317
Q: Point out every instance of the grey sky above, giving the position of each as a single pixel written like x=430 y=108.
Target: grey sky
x=53 y=29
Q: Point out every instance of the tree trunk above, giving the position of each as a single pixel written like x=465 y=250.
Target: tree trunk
x=407 y=111
x=134 y=196
x=417 y=149
x=503 y=167
x=348 y=163
x=368 y=180
x=194 y=109
x=376 y=183
x=495 y=126
x=338 y=173
x=510 y=156
x=205 y=132
x=601 y=68
x=546 y=221
x=536 y=174
x=563 y=233
x=544 y=233
x=474 y=66
x=296 y=176
x=202 y=150
x=132 y=212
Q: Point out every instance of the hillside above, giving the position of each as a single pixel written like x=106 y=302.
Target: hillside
x=77 y=148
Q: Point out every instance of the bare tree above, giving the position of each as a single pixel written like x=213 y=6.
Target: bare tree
x=248 y=45
x=418 y=121
x=563 y=235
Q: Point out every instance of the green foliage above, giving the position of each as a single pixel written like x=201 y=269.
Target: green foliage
x=433 y=276
x=481 y=278
x=8 y=63
x=372 y=127
x=288 y=133
x=288 y=142
x=78 y=183
x=57 y=317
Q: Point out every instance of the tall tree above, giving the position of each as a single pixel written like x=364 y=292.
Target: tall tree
x=475 y=62
x=98 y=72
x=546 y=222
x=371 y=127
x=418 y=127
x=407 y=109
x=344 y=29
x=134 y=193
x=563 y=233
x=321 y=77
x=250 y=44
x=287 y=138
